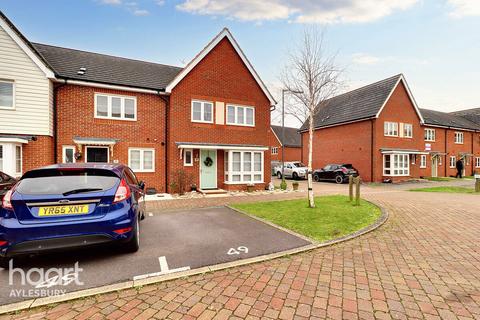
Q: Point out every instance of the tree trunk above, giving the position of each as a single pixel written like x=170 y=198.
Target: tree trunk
x=311 y=200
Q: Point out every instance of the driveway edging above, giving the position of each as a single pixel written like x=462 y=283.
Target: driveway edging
x=38 y=302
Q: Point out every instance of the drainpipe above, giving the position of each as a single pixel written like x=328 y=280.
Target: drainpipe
x=472 y=162
x=372 y=153
x=167 y=106
x=447 y=159
x=55 y=120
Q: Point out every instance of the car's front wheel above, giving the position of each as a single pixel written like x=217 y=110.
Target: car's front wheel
x=295 y=176
x=316 y=178
x=339 y=179
x=279 y=175
x=134 y=243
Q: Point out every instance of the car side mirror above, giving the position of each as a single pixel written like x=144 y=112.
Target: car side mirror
x=141 y=185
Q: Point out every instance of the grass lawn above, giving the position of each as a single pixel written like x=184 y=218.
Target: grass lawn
x=446 y=189
x=333 y=217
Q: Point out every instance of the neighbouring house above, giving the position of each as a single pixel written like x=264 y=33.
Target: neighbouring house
x=290 y=139
x=206 y=124
x=381 y=131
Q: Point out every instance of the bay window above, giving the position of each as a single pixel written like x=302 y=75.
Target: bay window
x=243 y=167
x=396 y=165
x=240 y=115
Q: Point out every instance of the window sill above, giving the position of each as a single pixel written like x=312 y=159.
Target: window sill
x=245 y=183
x=143 y=171
x=7 y=108
x=199 y=121
x=241 y=125
x=118 y=119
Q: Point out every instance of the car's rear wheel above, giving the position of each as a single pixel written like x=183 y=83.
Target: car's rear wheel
x=279 y=175
x=134 y=243
x=295 y=176
x=339 y=179
x=316 y=178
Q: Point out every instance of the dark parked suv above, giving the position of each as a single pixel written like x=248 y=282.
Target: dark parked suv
x=335 y=172
x=6 y=183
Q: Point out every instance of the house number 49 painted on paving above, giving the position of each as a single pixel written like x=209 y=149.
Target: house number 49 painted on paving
x=238 y=250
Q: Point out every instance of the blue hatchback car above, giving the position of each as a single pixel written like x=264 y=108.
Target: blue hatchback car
x=67 y=206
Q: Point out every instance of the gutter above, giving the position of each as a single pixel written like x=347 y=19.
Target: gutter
x=108 y=86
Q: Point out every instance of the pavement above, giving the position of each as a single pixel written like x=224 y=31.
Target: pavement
x=423 y=263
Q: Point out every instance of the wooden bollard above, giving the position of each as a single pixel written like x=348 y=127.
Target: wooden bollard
x=477 y=183
x=357 y=191
x=350 y=187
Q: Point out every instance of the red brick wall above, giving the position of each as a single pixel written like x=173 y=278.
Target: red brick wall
x=455 y=150
x=476 y=150
x=350 y=143
x=437 y=146
x=291 y=154
x=38 y=153
x=221 y=76
x=75 y=111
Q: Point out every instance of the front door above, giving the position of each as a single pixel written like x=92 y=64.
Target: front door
x=208 y=169
x=435 y=166
x=96 y=154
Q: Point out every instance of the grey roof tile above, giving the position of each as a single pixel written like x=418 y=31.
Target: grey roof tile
x=292 y=137
x=361 y=103
x=106 y=69
x=445 y=119
x=472 y=115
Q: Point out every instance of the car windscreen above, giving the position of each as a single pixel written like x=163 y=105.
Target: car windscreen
x=299 y=164
x=348 y=166
x=63 y=181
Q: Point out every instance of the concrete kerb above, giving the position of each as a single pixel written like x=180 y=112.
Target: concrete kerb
x=38 y=302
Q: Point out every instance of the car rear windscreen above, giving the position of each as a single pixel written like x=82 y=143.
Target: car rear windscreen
x=59 y=181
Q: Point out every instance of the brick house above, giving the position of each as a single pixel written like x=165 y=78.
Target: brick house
x=208 y=122
x=381 y=131
x=291 y=140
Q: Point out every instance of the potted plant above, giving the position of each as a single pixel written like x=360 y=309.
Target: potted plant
x=295 y=185
x=283 y=185
x=250 y=187
x=193 y=187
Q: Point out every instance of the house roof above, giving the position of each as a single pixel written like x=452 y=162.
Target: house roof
x=106 y=69
x=444 y=119
x=363 y=103
x=472 y=115
x=292 y=137
x=225 y=33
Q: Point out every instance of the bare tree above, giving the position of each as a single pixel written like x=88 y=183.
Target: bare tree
x=312 y=76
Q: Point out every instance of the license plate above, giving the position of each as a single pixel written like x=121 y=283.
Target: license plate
x=62 y=210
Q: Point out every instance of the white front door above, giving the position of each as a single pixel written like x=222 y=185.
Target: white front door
x=208 y=169
x=435 y=166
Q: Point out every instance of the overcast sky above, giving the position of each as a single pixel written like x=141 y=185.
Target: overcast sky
x=435 y=43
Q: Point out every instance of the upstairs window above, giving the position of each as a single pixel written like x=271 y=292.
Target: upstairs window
x=390 y=129
x=240 y=115
x=407 y=130
x=115 y=107
x=430 y=135
x=7 y=94
x=459 y=137
x=202 y=111
x=274 y=150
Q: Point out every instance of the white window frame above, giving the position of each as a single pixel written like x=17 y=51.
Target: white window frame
x=405 y=131
x=202 y=111
x=459 y=138
x=64 y=156
x=274 y=150
x=430 y=135
x=236 y=107
x=390 y=129
x=13 y=94
x=142 y=159
x=477 y=162
x=122 y=107
x=229 y=168
x=423 y=161
x=18 y=172
x=185 y=163
x=96 y=147
x=402 y=171
x=453 y=161
x=2 y=159
x=9 y=159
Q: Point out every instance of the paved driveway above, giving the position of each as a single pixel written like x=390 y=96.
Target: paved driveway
x=424 y=263
x=172 y=241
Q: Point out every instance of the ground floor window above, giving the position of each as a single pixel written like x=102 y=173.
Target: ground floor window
x=477 y=162
x=141 y=159
x=423 y=161
x=68 y=154
x=188 y=157
x=243 y=167
x=453 y=161
x=396 y=165
x=11 y=159
x=97 y=154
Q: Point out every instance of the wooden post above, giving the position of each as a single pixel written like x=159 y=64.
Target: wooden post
x=477 y=184
x=350 y=187
x=357 y=193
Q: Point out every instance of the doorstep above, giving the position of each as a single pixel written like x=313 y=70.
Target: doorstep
x=212 y=191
